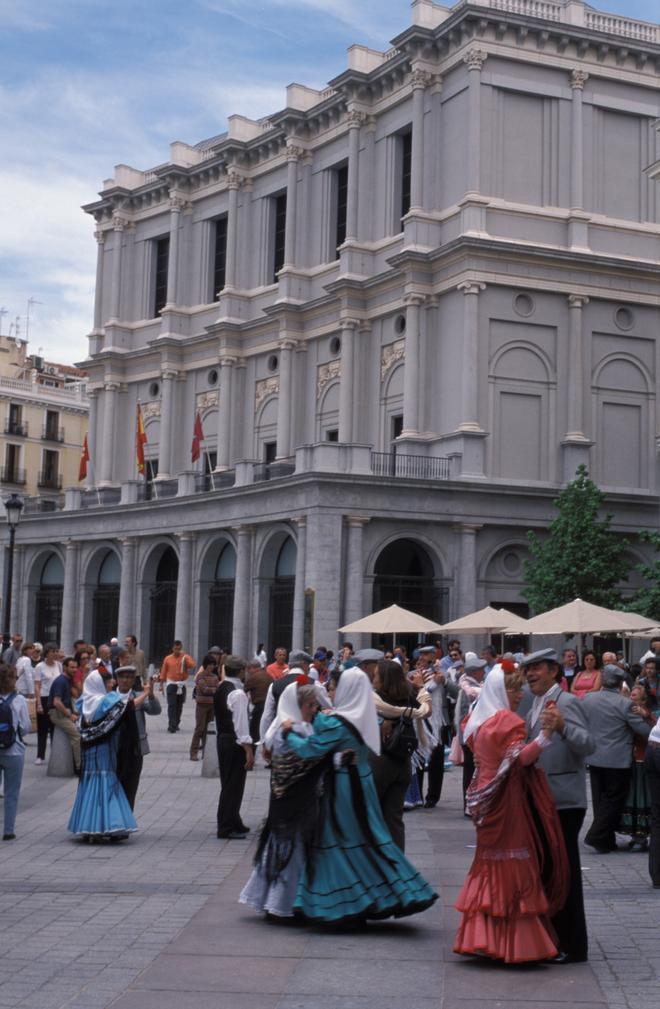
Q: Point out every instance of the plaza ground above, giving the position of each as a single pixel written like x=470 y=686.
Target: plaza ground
x=154 y=924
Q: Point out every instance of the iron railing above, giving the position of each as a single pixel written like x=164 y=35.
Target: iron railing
x=49 y=481
x=18 y=428
x=10 y=474
x=273 y=470
x=214 y=481
x=51 y=432
x=411 y=467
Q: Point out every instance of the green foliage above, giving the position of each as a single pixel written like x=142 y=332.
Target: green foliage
x=580 y=556
x=647 y=599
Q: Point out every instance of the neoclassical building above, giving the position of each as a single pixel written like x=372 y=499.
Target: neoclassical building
x=405 y=309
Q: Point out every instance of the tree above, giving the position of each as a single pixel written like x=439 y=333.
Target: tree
x=580 y=556
x=647 y=599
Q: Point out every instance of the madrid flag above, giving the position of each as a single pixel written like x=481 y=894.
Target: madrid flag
x=84 y=459
x=198 y=438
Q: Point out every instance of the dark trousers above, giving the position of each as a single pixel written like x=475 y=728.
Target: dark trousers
x=175 y=702
x=570 y=924
x=436 y=773
x=652 y=765
x=130 y=778
x=204 y=715
x=44 y=730
x=392 y=777
x=609 y=788
x=231 y=758
x=468 y=769
x=255 y=720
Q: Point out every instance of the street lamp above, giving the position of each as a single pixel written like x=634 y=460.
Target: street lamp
x=13 y=509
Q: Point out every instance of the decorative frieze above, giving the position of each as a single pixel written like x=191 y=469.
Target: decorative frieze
x=151 y=410
x=206 y=400
x=390 y=354
x=325 y=374
x=264 y=388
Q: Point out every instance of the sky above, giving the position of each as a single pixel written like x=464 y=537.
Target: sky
x=87 y=84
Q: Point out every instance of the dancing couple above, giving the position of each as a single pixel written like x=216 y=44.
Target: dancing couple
x=325 y=852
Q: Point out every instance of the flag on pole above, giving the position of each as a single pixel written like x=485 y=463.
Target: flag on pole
x=140 y=441
x=198 y=438
x=84 y=459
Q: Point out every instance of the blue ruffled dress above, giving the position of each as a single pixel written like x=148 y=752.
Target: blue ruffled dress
x=356 y=870
x=101 y=806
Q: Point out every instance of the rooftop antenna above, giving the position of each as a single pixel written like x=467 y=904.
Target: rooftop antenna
x=3 y=311
x=17 y=327
x=31 y=301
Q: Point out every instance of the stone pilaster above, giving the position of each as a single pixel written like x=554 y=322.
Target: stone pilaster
x=167 y=424
x=240 y=639
x=98 y=290
x=298 y=631
x=126 y=616
x=284 y=399
x=354 y=607
x=469 y=369
x=420 y=80
x=475 y=59
x=231 y=263
x=184 y=601
x=293 y=156
x=118 y=225
x=346 y=381
x=411 y=375
x=70 y=607
x=176 y=206
x=355 y=121
x=223 y=445
x=106 y=456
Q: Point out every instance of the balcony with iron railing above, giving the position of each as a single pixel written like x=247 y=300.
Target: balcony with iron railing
x=13 y=475
x=49 y=481
x=17 y=428
x=52 y=432
x=410 y=467
x=273 y=470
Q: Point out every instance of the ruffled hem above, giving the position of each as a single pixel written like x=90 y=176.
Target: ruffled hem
x=506 y=889
x=101 y=806
x=519 y=940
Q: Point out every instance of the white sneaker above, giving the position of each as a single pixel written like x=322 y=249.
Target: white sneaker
x=39 y=761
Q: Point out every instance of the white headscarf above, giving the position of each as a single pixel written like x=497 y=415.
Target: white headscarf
x=93 y=693
x=493 y=698
x=354 y=701
x=288 y=709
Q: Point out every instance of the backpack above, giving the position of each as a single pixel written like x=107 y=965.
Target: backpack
x=402 y=740
x=8 y=733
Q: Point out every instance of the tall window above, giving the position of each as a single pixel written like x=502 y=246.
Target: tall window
x=15 y=422
x=341 y=176
x=219 y=257
x=12 y=473
x=279 y=236
x=52 y=426
x=406 y=170
x=49 y=476
x=160 y=274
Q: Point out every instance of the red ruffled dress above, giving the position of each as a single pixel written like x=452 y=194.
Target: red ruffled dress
x=519 y=876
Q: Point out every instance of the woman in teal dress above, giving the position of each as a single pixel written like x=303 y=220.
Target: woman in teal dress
x=355 y=870
x=101 y=809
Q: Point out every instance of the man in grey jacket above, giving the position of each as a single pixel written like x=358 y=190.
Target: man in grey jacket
x=133 y=741
x=564 y=764
x=613 y=723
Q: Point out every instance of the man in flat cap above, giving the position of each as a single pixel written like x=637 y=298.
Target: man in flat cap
x=564 y=765
x=299 y=665
x=613 y=722
x=367 y=659
x=235 y=753
x=441 y=689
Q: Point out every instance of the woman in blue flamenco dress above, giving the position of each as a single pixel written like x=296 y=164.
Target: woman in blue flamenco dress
x=355 y=871
x=101 y=810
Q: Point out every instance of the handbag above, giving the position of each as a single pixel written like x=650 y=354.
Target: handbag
x=402 y=740
x=456 y=751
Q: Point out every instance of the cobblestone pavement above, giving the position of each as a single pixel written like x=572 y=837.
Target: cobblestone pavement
x=153 y=923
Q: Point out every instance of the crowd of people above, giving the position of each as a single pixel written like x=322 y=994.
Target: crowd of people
x=354 y=740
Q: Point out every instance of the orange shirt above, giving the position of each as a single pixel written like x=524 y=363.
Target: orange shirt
x=175 y=668
x=276 y=671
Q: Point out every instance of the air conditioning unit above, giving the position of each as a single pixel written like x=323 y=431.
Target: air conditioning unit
x=38 y=363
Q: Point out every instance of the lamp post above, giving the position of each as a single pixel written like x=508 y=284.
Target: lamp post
x=13 y=509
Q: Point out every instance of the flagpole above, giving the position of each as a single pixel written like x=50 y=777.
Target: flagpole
x=211 y=471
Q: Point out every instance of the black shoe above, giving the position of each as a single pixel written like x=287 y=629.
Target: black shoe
x=9 y=837
x=430 y=805
x=170 y=730
x=242 y=829
x=232 y=835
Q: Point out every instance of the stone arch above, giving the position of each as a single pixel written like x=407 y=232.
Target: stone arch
x=622 y=422
x=509 y=362
x=157 y=584
x=46 y=594
x=276 y=562
x=631 y=371
x=522 y=389
x=327 y=416
x=404 y=571
x=265 y=427
x=100 y=603
x=216 y=592
x=391 y=406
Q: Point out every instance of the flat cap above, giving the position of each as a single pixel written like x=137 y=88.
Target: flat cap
x=125 y=669
x=295 y=658
x=543 y=655
x=471 y=665
x=234 y=662
x=612 y=676
x=426 y=649
x=368 y=655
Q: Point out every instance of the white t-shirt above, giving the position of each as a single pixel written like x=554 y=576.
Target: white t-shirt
x=24 y=676
x=46 y=674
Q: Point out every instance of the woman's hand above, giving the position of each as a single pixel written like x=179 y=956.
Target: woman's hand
x=417 y=679
x=287 y=725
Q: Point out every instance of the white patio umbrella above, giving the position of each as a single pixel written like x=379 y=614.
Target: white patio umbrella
x=485 y=621
x=515 y=623
x=580 y=617
x=392 y=620
x=652 y=632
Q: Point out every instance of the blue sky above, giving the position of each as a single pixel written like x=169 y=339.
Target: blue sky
x=87 y=84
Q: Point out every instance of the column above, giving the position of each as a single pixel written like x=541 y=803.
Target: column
x=284 y=400
x=293 y=155
x=470 y=358
x=475 y=59
x=413 y=304
x=223 y=445
x=166 y=424
x=466 y=575
x=575 y=411
x=118 y=225
x=98 y=290
x=17 y=615
x=420 y=80
x=578 y=80
x=240 y=635
x=184 y=602
x=346 y=382
x=234 y=184
x=126 y=616
x=92 y=430
x=70 y=604
x=354 y=584
x=436 y=141
x=304 y=251
x=298 y=631
x=355 y=121
x=105 y=458
x=176 y=205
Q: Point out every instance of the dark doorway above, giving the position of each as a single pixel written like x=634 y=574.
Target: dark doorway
x=404 y=575
x=282 y=590
x=48 y=608
x=105 y=603
x=221 y=600
x=511 y=642
x=163 y=607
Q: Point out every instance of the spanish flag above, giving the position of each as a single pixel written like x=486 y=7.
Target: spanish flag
x=84 y=459
x=140 y=442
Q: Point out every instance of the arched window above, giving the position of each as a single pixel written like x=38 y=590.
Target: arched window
x=404 y=575
x=281 y=597
x=163 y=606
x=105 y=603
x=221 y=599
x=48 y=611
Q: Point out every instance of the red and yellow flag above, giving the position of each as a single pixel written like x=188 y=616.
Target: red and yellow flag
x=140 y=442
x=84 y=459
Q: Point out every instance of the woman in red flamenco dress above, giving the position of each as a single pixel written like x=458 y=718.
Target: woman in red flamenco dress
x=519 y=876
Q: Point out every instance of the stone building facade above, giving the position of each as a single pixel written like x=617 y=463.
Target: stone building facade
x=405 y=308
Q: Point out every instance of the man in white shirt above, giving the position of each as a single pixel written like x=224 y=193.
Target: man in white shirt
x=25 y=671
x=235 y=752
